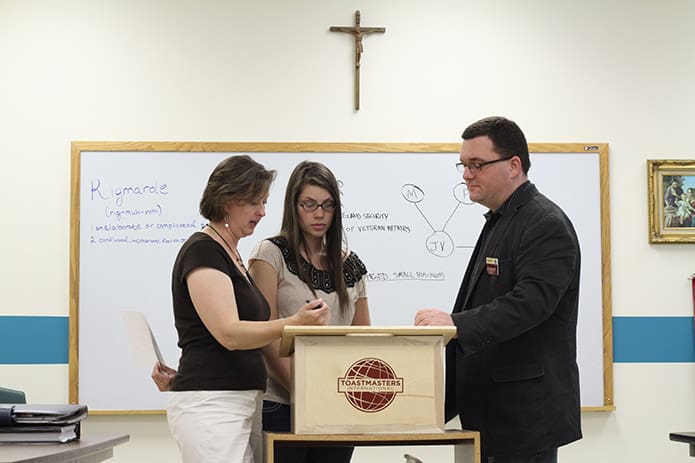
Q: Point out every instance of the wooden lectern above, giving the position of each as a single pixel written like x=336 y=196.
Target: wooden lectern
x=366 y=379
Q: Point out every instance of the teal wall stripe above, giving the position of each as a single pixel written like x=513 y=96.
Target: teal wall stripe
x=44 y=340
x=33 y=340
x=653 y=339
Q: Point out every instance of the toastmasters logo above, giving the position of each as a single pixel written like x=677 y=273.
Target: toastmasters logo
x=370 y=385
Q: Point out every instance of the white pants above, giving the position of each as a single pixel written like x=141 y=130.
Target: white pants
x=217 y=426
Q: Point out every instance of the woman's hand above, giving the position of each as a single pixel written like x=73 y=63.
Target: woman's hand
x=314 y=312
x=163 y=376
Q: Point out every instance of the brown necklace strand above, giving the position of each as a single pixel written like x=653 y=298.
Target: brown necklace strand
x=236 y=255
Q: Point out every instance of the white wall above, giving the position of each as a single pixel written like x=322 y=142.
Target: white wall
x=620 y=72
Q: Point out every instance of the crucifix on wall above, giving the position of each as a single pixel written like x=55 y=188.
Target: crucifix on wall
x=358 y=32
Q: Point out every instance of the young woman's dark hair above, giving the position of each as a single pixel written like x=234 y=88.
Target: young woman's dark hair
x=317 y=174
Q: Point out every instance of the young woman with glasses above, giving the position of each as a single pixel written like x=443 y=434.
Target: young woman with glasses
x=307 y=261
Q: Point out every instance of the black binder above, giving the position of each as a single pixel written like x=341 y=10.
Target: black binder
x=54 y=414
x=32 y=423
x=39 y=433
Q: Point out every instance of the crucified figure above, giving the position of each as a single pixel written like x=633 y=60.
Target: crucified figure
x=357 y=32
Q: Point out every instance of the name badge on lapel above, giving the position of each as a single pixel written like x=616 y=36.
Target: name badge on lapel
x=492 y=266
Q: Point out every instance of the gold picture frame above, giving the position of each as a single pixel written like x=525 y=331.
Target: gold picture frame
x=671 y=200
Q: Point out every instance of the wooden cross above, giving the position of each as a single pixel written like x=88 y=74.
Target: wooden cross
x=357 y=32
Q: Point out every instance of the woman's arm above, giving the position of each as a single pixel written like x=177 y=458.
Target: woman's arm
x=266 y=279
x=212 y=294
x=361 y=317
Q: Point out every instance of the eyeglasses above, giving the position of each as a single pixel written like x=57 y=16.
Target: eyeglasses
x=476 y=167
x=311 y=206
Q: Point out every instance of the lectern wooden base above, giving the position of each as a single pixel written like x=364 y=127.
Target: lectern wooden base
x=466 y=443
x=366 y=380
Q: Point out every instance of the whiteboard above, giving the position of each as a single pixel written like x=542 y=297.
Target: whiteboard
x=406 y=213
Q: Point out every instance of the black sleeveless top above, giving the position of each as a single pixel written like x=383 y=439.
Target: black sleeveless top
x=205 y=364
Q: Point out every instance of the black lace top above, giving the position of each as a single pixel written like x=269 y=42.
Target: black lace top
x=353 y=268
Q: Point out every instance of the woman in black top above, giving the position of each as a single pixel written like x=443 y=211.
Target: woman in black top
x=222 y=321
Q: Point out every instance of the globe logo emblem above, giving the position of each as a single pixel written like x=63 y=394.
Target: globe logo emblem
x=370 y=385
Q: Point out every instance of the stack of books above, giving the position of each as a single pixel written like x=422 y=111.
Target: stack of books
x=40 y=423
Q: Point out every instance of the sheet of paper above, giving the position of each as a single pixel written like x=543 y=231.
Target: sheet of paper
x=142 y=341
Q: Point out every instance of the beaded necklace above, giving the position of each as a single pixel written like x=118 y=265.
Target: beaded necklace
x=235 y=254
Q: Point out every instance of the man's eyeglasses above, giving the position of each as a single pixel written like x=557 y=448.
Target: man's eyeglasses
x=476 y=167
x=311 y=206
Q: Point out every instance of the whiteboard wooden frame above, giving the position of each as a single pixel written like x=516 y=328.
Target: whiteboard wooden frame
x=78 y=147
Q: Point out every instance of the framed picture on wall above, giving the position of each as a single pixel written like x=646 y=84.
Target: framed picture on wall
x=671 y=201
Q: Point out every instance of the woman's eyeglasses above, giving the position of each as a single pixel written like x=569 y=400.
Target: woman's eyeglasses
x=311 y=206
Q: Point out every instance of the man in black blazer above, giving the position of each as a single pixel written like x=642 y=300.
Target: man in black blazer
x=512 y=370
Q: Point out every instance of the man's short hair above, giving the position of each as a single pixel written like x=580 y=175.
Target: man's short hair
x=507 y=138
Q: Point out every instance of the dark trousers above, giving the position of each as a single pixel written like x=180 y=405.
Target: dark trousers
x=546 y=456
x=276 y=418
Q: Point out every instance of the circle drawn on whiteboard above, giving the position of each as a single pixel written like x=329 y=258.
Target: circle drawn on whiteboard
x=461 y=194
x=440 y=244
x=412 y=193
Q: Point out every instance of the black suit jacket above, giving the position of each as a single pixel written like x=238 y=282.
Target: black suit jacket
x=512 y=371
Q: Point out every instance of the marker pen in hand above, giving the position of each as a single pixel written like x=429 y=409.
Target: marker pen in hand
x=316 y=307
